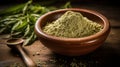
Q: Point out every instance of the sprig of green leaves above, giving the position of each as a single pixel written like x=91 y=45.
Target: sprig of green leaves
x=19 y=20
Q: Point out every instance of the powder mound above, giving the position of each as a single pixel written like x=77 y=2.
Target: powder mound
x=72 y=25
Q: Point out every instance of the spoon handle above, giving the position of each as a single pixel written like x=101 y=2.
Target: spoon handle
x=28 y=61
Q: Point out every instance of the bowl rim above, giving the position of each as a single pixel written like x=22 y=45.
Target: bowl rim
x=106 y=24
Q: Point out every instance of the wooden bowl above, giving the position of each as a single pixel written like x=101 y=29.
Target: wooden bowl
x=72 y=46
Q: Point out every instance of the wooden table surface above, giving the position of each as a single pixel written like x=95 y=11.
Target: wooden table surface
x=107 y=55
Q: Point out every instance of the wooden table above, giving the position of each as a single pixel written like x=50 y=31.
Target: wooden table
x=107 y=55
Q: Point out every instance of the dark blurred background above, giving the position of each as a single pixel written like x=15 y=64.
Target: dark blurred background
x=108 y=2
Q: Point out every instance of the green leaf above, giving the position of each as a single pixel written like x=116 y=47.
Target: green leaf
x=30 y=40
x=67 y=5
x=16 y=34
x=27 y=31
x=22 y=25
x=2 y=29
x=15 y=26
x=26 y=7
x=12 y=10
x=39 y=9
x=10 y=22
x=19 y=26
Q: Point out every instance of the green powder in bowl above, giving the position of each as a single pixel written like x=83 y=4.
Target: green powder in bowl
x=72 y=25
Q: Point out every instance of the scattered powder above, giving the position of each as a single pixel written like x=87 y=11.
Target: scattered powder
x=72 y=25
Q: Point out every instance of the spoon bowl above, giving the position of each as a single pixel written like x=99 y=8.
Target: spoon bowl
x=14 y=41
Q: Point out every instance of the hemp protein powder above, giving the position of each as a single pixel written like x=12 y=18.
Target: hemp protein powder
x=72 y=25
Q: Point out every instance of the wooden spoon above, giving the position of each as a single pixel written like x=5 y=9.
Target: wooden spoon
x=16 y=43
